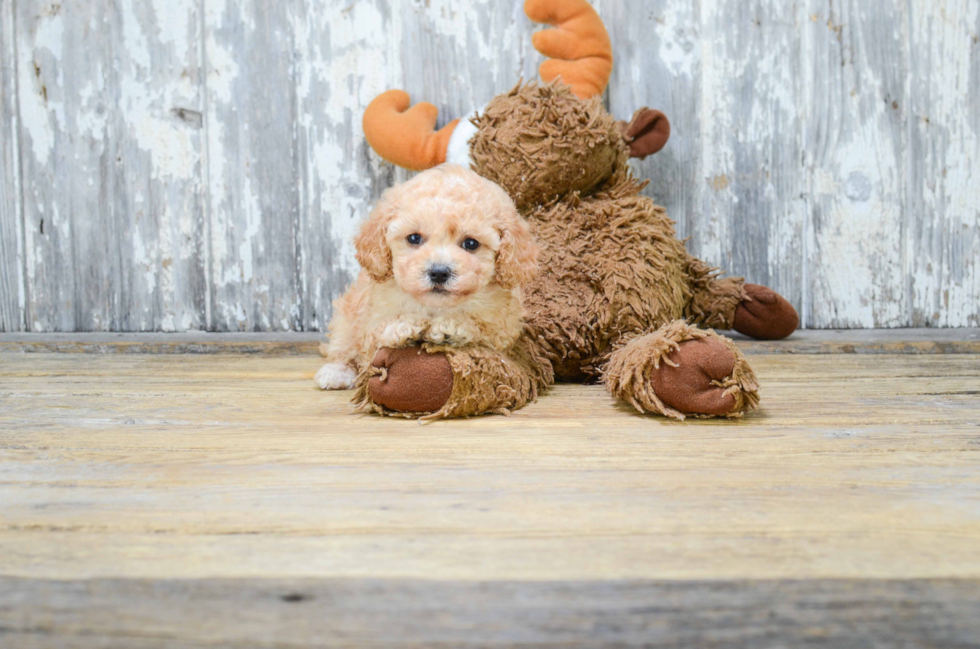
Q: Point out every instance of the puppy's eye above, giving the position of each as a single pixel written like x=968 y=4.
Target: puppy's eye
x=470 y=244
x=415 y=238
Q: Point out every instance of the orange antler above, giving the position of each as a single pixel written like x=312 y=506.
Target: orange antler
x=406 y=136
x=579 y=46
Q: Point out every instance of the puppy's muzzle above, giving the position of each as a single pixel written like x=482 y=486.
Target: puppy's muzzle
x=439 y=275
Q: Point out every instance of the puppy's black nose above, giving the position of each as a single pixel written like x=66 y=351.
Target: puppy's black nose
x=440 y=274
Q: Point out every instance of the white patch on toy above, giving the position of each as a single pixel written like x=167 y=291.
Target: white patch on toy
x=335 y=376
x=458 y=151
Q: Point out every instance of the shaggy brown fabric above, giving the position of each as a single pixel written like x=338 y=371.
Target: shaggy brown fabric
x=764 y=314
x=540 y=142
x=480 y=380
x=611 y=262
x=680 y=370
x=611 y=265
x=714 y=298
x=487 y=381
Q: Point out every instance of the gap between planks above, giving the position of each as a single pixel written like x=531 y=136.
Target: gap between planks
x=833 y=341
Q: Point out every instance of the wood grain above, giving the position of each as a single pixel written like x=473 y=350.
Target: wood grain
x=252 y=166
x=459 y=57
x=223 y=501
x=943 y=196
x=856 y=62
x=11 y=225
x=111 y=111
x=290 y=173
x=191 y=467
x=346 y=56
x=233 y=613
x=753 y=213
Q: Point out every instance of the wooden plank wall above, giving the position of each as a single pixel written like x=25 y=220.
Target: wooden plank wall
x=199 y=164
x=11 y=242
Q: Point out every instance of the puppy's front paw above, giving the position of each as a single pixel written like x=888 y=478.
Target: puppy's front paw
x=400 y=334
x=335 y=376
x=445 y=332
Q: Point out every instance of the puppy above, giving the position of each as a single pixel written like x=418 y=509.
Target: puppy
x=443 y=258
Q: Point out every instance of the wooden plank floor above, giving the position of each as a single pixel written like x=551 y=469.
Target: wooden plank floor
x=222 y=501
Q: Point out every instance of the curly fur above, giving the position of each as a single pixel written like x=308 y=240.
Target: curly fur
x=395 y=303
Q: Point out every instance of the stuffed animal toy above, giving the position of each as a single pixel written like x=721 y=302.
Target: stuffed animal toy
x=618 y=299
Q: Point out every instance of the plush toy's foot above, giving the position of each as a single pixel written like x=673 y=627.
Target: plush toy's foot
x=680 y=371
x=436 y=382
x=410 y=380
x=692 y=379
x=764 y=314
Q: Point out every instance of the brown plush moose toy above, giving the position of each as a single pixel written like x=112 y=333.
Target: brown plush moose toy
x=619 y=299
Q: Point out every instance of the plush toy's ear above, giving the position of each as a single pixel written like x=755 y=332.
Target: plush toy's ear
x=646 y=133
x=371 y=243
x=517 y=256
x=406 y=136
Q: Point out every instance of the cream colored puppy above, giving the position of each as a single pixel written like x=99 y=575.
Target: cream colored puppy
x=443 y=258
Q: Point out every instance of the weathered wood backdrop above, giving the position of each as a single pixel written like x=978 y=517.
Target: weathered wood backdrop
x=199 y=164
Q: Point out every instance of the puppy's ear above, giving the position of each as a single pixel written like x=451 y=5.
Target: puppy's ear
x=371 y=243
x=517 y=256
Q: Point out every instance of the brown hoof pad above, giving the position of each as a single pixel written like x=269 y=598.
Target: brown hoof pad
x=687 y=388
x=414 y=381
x=766 y=316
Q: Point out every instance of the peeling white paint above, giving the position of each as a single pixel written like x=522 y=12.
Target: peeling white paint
x=943 y=249
x=108 y=164
x=172 y=151
x=38 y=108
x=679 y=37
x=13 y=298
x=874 y=222
x=855 y=264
